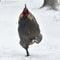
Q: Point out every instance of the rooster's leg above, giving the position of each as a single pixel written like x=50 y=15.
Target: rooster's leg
x=27 y=52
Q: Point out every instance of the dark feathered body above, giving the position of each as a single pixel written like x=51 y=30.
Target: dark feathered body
x=28 y=30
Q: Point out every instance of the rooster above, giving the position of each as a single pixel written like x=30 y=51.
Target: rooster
x=28 y=29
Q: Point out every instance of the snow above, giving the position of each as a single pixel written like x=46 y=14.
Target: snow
x=49 y=22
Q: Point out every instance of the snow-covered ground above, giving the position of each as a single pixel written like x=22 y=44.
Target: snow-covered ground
x=49 y=22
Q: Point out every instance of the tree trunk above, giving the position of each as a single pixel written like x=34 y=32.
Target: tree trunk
x=50 y=3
